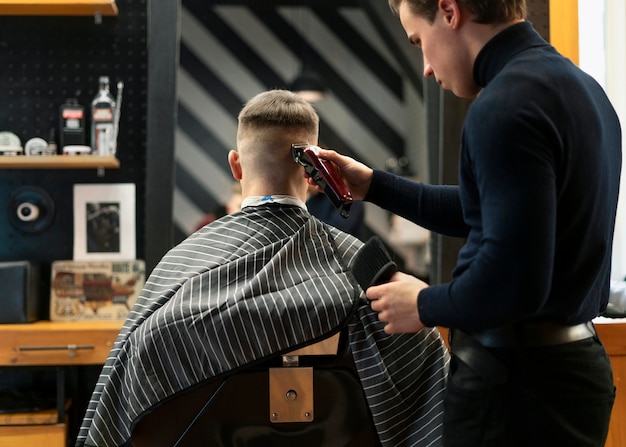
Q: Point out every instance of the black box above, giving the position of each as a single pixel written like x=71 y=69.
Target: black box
x=19 y=292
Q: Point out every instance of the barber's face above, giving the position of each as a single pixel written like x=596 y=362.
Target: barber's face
x=446 y=54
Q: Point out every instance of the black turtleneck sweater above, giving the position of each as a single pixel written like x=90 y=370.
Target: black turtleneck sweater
x=538 y=184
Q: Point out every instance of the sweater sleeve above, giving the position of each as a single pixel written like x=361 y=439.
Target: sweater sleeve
x=434 y=207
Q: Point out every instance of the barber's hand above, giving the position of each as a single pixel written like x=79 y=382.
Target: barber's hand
x=396 y=303
x=358 y=176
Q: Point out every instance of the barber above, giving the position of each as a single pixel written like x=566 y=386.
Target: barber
x=536 y=203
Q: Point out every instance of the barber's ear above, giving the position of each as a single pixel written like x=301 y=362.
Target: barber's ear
x=451 y=12
x=235 y=164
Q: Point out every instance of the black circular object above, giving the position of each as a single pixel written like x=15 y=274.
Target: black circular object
x=31 y=209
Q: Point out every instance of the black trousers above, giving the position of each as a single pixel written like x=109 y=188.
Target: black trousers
x=552 y=396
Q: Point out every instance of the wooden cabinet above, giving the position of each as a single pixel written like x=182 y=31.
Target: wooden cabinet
x=53 y=435
x=613 y=335
x=55 y=344
x=58 y=7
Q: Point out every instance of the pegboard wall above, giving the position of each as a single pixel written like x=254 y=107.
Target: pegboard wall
x=45 y=60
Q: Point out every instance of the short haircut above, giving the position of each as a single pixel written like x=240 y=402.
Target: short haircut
x=269 y=124
x=279 y=108
x=485 y=11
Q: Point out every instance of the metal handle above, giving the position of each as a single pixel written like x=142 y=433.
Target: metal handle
x=70 y=348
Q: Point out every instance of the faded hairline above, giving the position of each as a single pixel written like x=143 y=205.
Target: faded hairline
x=268 y=124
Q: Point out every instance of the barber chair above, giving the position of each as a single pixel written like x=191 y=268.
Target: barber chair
x=310 y=397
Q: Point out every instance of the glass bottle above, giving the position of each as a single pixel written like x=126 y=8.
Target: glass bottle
x=102 y=113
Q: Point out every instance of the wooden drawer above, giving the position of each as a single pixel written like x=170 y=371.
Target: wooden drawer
x=57 y=343
x=53 y=435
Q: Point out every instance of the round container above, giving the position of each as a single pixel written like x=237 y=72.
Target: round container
x=36 y=146
x=76 y=150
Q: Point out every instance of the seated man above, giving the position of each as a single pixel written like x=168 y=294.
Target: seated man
x=265 y=280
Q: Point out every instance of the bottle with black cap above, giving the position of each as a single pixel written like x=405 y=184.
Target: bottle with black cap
x=72 y=124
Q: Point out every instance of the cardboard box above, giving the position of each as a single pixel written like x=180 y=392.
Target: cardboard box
x=94 y=291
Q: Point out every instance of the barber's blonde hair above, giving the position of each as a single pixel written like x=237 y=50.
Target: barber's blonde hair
x=485 y=11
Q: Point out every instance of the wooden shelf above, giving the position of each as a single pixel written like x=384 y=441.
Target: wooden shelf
x=58 y=7
x=58 y=162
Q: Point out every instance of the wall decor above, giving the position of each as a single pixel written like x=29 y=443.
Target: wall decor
x=94 y=290
x=104 y=222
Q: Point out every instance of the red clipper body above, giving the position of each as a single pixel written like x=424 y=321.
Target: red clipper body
x=325 y=175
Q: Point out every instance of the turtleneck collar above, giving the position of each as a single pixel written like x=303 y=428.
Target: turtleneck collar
x=501 y=48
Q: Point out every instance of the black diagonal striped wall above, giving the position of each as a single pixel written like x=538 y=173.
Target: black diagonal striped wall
x=230 y=51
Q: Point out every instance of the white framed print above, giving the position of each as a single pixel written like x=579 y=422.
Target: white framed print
x=104 y=222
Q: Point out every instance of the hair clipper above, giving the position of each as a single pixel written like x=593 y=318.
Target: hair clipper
x=325 y=175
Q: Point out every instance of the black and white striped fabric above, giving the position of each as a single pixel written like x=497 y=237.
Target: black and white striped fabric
x=263 y=281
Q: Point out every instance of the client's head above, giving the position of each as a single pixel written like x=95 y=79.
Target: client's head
x=268 y=125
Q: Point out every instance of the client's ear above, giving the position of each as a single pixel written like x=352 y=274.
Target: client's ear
x=235 y=164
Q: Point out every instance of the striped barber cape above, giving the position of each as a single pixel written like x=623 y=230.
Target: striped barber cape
x=257 y=283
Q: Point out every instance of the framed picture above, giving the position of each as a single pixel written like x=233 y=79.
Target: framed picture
x=104 y=222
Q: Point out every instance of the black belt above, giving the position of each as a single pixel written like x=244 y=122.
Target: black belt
x=477 y=357
x=533 y=335
x=473 y=348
